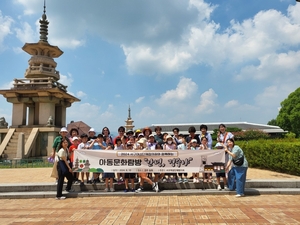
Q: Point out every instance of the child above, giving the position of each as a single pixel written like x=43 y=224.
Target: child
x=182 y=146
x=143 y=176
x=193 y=146
x=73 y=147
x=84 y=145
x=204 y=146
x=170 y=145
x=97 y=144
x=119 y=146
x=158 y=176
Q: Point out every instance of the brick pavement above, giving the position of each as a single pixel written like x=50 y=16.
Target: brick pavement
x=273 y=209
x=192 y=209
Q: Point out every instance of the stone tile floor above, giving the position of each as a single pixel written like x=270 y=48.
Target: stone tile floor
x=273 y=209
x=210 y=209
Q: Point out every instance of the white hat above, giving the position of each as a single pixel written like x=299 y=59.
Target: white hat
x=151 y=135
x=142 y=141
x=75 y=138
x=92 y=130
x=194 y=141
x=169 y=136
x=141 y=135
x=63 y=129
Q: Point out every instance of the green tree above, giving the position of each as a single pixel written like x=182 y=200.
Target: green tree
x=273 y=122
x=289 y=114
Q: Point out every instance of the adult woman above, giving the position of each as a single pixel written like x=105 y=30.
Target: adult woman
x=237 y=174
x=62 y=157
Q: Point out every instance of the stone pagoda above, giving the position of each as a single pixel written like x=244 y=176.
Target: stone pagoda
x=129 y=122
x=39 y=100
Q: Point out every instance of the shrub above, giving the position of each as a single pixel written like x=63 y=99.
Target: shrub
x=281 y=155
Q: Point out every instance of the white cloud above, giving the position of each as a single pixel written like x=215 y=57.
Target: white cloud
x=185 y=90
x=231 y=103
x=81 y=94
x=7 y=85
x=118 y=96
x=5 y=28
x=30 y=7
x=207 y=102
x=67 y=42
x=66 y=80
x=140 y=99
x=273 y=66
x=147 y=112
x=26 y=33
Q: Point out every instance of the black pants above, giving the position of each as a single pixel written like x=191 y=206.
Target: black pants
x=60 y=181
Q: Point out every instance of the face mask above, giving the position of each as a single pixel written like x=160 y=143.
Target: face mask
x=170 y=142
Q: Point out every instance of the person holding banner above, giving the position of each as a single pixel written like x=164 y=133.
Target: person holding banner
x=63 y=169
x=84 y=145
x=143 y=176
x=237 y=174
x=204 y=146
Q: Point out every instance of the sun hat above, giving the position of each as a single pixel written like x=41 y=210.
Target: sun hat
x=169 y=136
x=63 y=129
x=147 y=128
x=75 y=138
x=92 y=130
x=194 y=141
x=142 y=141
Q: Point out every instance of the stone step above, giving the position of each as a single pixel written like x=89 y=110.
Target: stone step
x=200 y=192
x=250 y=184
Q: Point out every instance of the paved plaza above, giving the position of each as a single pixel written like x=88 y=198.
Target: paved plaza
x=191 y=209
x=273 y=209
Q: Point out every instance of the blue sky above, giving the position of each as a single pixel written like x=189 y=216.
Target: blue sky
x=172 y=61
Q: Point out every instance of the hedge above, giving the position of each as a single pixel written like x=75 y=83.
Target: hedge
x=280 y=155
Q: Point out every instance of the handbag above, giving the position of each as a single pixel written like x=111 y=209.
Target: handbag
x=239 y=161
x=63 y=167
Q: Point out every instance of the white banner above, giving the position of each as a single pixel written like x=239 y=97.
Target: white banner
x=150 y=161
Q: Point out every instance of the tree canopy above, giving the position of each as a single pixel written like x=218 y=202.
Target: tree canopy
x=289 y=114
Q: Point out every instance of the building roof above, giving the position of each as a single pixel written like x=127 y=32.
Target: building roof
x=184 y=127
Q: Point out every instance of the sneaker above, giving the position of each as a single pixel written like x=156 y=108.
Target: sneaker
x=60 y=198
x=70 y=190
x=126 y=190
x=226 y=188
x=194 y=180
x=155 y=187
x=164 y=180
x=77 y=182
x=106 y=189
x=112 y=190
x=132 y=190
x=140 y=189
x=219 y=188
x=180 y=180
x=185 y=180
x=239 y=195
x=174 y=180
x=197 y=180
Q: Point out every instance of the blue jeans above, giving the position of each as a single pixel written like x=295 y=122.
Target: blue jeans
x=237 y=179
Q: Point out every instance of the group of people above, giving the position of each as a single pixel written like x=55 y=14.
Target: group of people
x=144 y=139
